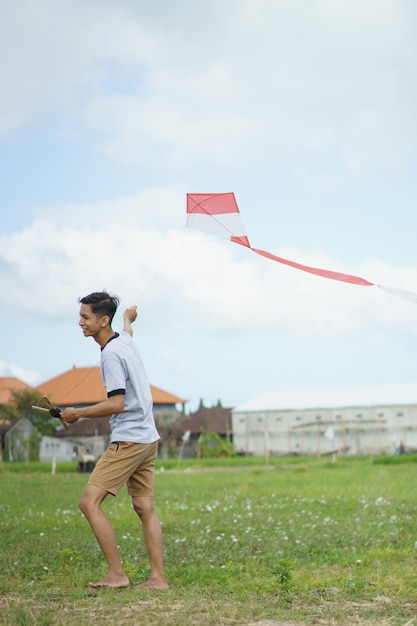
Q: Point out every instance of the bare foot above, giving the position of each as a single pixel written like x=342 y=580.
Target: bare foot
x=152 y=583
x=112 y=581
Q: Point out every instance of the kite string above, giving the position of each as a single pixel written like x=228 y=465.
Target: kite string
x=137 y=300
x=158 y=275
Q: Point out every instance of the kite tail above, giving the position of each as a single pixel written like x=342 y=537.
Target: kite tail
x=400 y=293
x=344 y=278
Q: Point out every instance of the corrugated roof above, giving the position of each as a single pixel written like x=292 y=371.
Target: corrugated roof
x=83 y=385
x=8 y=384
x=332 y=397
x=214 y=420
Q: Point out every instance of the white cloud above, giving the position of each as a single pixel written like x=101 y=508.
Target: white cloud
x=160 y=208
x=219 y=82
x=202 y=283
x=45 y=54
x=28 y=376
x=272 y=80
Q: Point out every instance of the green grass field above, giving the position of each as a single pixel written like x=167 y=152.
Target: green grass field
x=301 y=541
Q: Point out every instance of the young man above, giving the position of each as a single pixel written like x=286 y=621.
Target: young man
x=133 y=448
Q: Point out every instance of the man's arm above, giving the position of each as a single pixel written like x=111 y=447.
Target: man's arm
x=129 y=316
x=110 y=406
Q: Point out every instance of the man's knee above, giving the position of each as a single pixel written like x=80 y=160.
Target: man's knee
x=91 y=499
x=143 y=505
x=84 y=504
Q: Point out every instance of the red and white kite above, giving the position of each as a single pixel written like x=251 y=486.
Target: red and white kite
x=218 y=214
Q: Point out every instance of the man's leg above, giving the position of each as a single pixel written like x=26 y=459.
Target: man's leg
x=90 y=505
x=152 y=532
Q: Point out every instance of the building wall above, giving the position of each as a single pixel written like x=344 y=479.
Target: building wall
x=56 y=449
x=64 y=449
x=353 y=431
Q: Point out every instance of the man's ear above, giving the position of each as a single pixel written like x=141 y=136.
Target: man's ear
x=105 y=321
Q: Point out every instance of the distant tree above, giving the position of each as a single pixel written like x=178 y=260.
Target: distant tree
x=211 y=445
x=219 y=404
x=23 y=400
x=201 y=405
x=170 y=432
x=8 y=413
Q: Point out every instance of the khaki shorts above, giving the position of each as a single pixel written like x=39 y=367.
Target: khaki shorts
x=126 y=462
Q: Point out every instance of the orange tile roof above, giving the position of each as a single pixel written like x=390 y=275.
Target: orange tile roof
x=79 y=385
x=83 y=385
x=160 y=396
x=8 y=384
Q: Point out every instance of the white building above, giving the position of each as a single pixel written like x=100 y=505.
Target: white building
x=54 y=449
x=347 y=420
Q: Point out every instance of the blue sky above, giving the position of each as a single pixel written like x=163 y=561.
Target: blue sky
x=111 y=112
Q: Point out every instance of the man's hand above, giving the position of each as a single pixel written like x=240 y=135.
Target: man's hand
x=70 y=415
x=129 y=316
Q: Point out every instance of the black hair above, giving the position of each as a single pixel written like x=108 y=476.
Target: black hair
x=101 y=303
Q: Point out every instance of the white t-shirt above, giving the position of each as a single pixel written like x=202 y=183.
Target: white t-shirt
x=122 y=370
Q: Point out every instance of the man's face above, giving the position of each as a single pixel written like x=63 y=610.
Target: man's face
x=90 y=323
